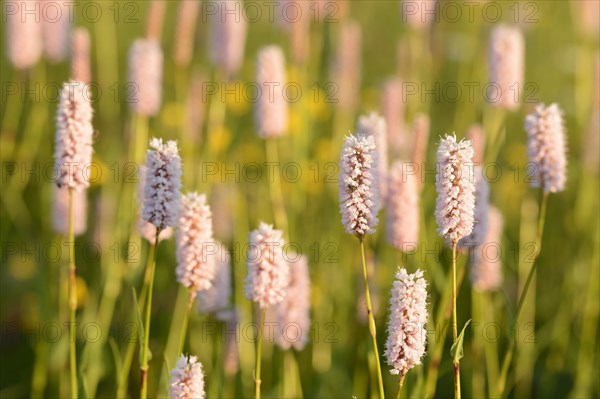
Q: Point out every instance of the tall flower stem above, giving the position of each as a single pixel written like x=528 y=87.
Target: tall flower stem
x=372 y=328
x=123 y=380
x=184 y=325
x=538 y=247
x=477 y=315
x=455 y=323
x=259 y=336
x=490 y=348
x=72 y=300
x=145 y=348
x=276 y=189
x=400 y=384
x=443 y=314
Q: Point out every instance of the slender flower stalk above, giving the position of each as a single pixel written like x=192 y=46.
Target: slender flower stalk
x=293 y=314
x=123 y=379
x=506 y=58
x=72 y=154
x=361 y=300
x=372 y=326
x=257 y=364
x=72 y=302
x=359 y=204
x=457 y=392
x=146 y=342
x=267 y=280
x=61 y=211
x=160 y=207
x=402 y=210
x=184 y=323
x=511 y=345
x=407 y=334
x=187 y=379
x=455 y=211
x=442 y=316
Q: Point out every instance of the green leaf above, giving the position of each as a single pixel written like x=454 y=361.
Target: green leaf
x=140 y=326
x=138 y=315
x=116 y=355
x=457 y=348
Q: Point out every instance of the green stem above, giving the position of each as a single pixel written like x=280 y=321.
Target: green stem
x=123 y=380
x=72 y=300
x=144 y=367
x=400 y=384
x=490 y=348
x=257 y=380
x=538 y=247
x=455 y=323
x=442 y=315
x=372 y=328
x=275 y=188
x=478 y=316
x=291 y=376
x=184 y=325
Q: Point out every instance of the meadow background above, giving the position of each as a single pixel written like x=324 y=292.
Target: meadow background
x=558 y=334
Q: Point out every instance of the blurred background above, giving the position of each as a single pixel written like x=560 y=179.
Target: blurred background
x=338 y=76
